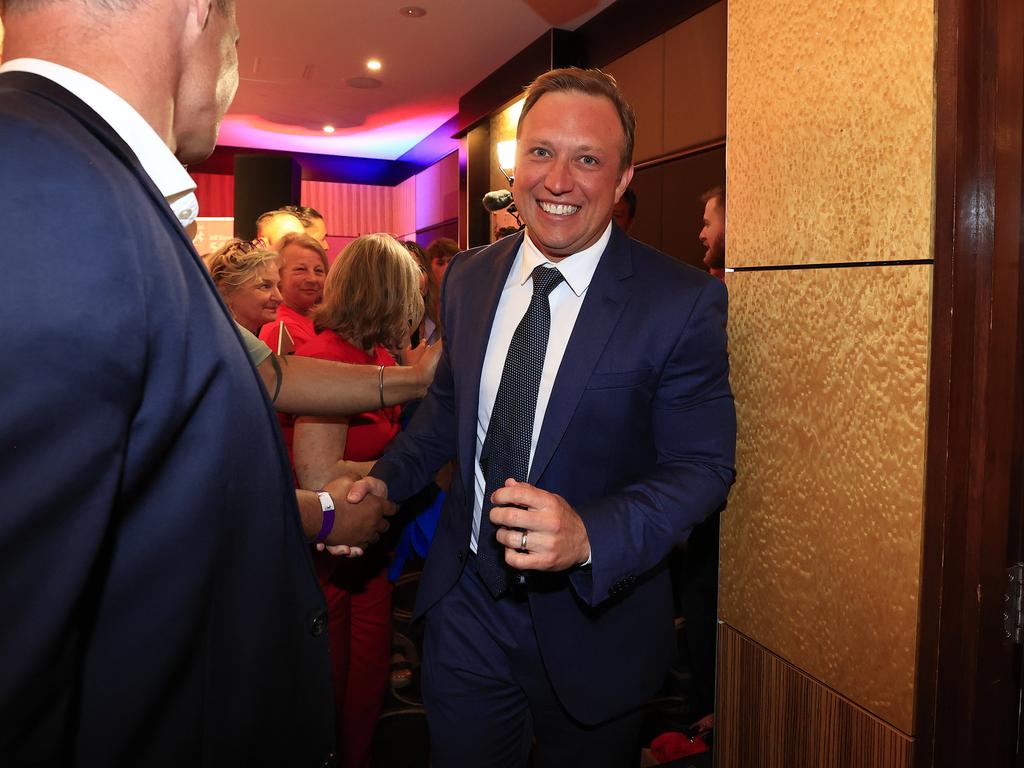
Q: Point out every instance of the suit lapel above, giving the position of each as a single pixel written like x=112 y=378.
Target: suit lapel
x=606 y=297
x=477 y=312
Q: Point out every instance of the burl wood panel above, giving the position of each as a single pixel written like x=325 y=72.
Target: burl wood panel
x=821 y=541
x=831 y=130
x=771 y=715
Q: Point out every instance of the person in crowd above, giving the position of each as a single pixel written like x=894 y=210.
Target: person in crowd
x=155 y=564
x=312 y=222
x=712 y=235
x=430 y=290
x=303 y=270
x=249 y=279
x=625 y=210
x=441 y=252
x=273 y=225
x=246 y=275
x=371 y=296
x=584 y=393
x=243 y=273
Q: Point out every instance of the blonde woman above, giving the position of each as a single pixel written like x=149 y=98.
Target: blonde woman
x=371 y=300
x=303 y=268
x=249 y=280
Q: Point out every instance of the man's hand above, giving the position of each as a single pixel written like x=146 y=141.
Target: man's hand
x=556 y=538
x=339 y=550
x=367 y=486
x=357 y=524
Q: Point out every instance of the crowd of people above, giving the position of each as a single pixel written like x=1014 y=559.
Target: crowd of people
x=187 y=587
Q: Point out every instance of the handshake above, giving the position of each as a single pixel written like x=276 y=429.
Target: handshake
x=361 y=513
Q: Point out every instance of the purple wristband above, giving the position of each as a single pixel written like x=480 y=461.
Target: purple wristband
x=327 y=505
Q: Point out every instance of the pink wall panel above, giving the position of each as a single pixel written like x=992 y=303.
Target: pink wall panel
x=420 y=202
x=437 y=192
x=351 y=210
x=406 y=199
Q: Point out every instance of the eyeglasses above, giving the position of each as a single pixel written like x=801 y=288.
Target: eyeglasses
x=236 y=250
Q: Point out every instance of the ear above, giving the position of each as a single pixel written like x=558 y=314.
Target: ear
x=627 y=176
x=197 y=16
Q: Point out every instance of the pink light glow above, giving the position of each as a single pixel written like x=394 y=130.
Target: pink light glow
x=390 y=136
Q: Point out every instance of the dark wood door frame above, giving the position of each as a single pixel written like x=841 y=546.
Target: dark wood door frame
x=968 y=674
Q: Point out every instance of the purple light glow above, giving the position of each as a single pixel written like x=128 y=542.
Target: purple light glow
x=392 y=136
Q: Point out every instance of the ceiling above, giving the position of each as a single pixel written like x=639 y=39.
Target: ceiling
x=295 y=59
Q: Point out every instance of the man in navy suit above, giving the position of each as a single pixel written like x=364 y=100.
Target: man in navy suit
x=159 y=603
x=632 y=445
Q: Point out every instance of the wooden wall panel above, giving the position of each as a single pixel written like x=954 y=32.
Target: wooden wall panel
x=775 y=716
x=649 y=187
x=641 y=77
x=682 y=215
x=695 y=55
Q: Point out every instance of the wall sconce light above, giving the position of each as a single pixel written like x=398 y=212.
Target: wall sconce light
x=507 y=158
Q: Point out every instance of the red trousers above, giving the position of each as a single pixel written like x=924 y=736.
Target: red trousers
x=359 y=630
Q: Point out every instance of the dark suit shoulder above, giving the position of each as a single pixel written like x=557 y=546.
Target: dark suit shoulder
x=648 y=261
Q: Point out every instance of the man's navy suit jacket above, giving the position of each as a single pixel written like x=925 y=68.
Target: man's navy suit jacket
x=638 y=436
x=158 y=599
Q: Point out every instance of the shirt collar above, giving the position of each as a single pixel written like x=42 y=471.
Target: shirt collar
x=159 y=163
x=577 y=269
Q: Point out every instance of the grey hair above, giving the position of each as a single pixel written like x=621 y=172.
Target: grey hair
x=7 y=6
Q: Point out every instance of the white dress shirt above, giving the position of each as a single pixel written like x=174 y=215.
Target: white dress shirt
x=160 y=164
x=565 y=300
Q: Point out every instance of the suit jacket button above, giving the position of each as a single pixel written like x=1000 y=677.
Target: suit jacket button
x=461 y=555
x=319 y=624
x=330 y=761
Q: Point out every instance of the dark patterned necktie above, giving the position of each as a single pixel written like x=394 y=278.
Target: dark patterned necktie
x=506 y=449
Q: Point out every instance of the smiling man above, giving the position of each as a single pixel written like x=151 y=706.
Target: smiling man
x=584 y=392
x=712 y=233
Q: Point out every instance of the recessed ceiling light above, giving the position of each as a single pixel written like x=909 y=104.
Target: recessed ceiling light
x=328 y=129
x=363 y=82
x=412 y=12
x=373 y=64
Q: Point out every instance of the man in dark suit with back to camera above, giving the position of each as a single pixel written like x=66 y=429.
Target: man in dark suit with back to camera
x=592 y=371
x=159 y=603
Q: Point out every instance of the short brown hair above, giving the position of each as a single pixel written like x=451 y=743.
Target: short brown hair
x=302 y=240
x=303 y=213
x=717 y=194
x=443 y=246
x=592 y=82
x=236 y=262
x=372 y=293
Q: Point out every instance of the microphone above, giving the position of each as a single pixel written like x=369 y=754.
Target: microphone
x=497 y=201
